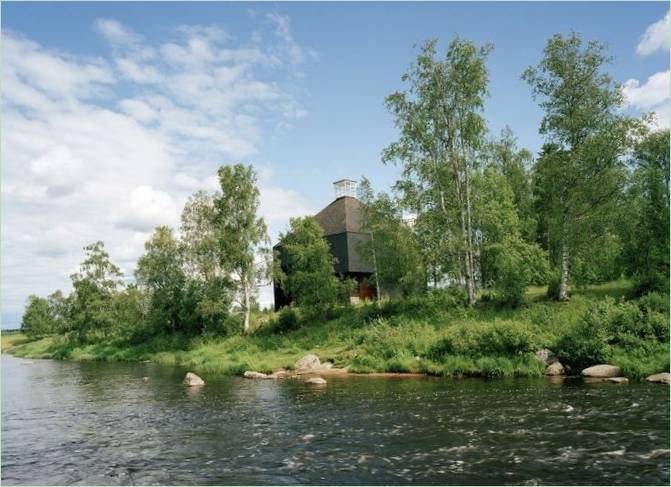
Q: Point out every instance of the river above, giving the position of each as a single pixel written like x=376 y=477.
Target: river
x=119 y=423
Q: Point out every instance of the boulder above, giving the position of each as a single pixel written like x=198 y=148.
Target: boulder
x=250 y=374
x=327 y=365
x=555 y=368
x=546 y=356
x=310 y=361
x=317 y=381
x=191 y=380
x=662 y=378
x=617 y=380
x=601 y=370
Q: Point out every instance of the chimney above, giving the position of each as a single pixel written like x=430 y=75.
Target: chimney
x=345 y=187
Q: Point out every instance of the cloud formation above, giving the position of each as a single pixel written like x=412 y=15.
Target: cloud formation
x=652 y=96
x=108 y=148
x=655 y=38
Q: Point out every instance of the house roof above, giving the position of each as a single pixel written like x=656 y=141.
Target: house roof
x=342 y=215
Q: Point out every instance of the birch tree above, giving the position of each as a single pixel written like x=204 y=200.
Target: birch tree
x=242 y=236
x=587 y=136
x=442 y=128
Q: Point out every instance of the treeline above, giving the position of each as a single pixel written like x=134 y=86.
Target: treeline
x=471 y=212
x=202 y=281
x=592 y=207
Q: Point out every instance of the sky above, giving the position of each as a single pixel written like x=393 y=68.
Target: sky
x=114 y=113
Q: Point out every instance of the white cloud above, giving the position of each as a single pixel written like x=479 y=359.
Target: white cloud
x=655 y=38
x=49 y=76
x=116 y=33
x=136 y=72
x=146 y=209
x=106 y=149
x=651 y=96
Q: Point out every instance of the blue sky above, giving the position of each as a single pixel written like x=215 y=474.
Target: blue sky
x=115 y=112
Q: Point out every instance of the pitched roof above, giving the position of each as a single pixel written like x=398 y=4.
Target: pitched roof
x=342 y=215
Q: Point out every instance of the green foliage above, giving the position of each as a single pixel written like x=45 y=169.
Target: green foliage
x=240 y=234
x=129 y=308
x=553 y=286
x=645 y=219
x=37 y=319
x=441 y=128
x=160 y=271
x=287 y=320
x=499 y=338
x=91 y=313
x=581 y=172
x=607 y=329
x=514 y=164
x=508 y=263
x=393 y=249
x=517 y=264
x=599 y=262
x=310 y=276
x=420 y=335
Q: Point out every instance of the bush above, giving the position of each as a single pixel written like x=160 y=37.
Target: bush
x=608 y=329
x=553 y=286
x=506 y=338
x=655 y=302
x=287 y=320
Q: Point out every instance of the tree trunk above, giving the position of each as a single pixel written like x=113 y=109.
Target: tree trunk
x=467 y=260
x=469 y=239
x=563 y=280
x=247 y=310
x=377 y=276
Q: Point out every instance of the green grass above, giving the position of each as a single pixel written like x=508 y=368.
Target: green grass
x=398 y=337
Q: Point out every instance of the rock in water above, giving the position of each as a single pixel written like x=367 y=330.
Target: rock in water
x=662 y=378
x=317 y=381
x=191 y=379
x=250 y=374
x=618 y=380
x=310 y=361
x=601 y=370
x=555 y=368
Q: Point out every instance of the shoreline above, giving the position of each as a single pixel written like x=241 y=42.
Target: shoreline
x=409 y=340
x=304 y=374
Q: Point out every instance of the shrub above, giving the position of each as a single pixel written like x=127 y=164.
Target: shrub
x=655 y=302
x=609 y=328
x=287 y=320
x=505 y=338
x=553 y=286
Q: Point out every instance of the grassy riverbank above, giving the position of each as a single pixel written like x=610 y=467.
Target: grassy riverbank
x=430 y=335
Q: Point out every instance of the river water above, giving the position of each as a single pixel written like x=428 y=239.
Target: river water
x=102 y=423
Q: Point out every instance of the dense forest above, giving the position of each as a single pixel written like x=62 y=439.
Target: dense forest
x=473 y=222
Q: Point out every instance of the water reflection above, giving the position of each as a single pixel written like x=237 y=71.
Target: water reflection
x=136 y=424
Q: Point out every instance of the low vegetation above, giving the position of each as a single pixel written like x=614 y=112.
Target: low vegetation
x=437 y=334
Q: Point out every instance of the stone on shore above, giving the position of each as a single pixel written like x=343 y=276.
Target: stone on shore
x=617 y=380
x=601 y=370
x=546 y=356
x=555 y=368
x=191 y=380
x=279 y=374
x=251 y=374
x=310 y=361
x=662 y=378
x=317 y=381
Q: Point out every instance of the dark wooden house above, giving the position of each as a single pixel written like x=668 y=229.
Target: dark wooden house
x=341 y=221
